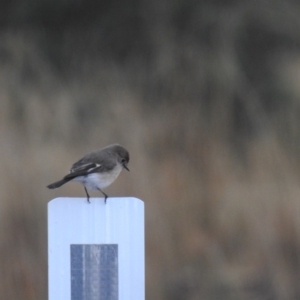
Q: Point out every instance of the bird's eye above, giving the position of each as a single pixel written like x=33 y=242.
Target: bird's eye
x=123 y=160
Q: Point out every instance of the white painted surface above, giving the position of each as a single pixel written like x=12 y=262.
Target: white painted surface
x=75 y=221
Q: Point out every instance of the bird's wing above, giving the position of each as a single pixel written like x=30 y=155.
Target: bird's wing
x=88 y=167
x=83 y=169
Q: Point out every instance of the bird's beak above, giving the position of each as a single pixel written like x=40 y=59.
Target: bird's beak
x=125 y=166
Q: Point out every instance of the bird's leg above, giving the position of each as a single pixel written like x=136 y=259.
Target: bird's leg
x=87 y=195
x=105 y=196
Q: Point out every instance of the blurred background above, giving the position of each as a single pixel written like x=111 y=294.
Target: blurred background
x=206 y=97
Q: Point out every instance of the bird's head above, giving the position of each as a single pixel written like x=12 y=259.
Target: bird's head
x=122 y=155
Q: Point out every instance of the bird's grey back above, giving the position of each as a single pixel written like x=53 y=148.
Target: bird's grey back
x=106 y=157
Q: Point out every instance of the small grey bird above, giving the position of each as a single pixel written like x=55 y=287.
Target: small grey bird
x=98 y=169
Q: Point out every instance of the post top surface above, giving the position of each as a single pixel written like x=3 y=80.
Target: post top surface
x=95 y=201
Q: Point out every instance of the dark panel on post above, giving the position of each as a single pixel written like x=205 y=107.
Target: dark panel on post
x=94 y=272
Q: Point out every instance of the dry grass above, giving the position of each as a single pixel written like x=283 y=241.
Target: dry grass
x=218 y=225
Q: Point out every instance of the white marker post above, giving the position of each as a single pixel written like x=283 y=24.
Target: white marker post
x=96 y=250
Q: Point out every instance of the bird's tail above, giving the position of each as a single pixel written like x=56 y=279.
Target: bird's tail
x=59 y=183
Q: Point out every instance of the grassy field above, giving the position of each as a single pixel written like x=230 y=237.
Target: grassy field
x=214 y=144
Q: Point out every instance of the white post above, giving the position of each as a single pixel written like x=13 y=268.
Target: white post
x=96 y=250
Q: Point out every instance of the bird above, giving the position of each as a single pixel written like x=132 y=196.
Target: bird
x=97 y=170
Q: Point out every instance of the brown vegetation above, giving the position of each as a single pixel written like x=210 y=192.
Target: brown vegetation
x=206 y=99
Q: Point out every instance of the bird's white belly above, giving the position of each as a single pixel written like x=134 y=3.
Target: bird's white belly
x=96 y=181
